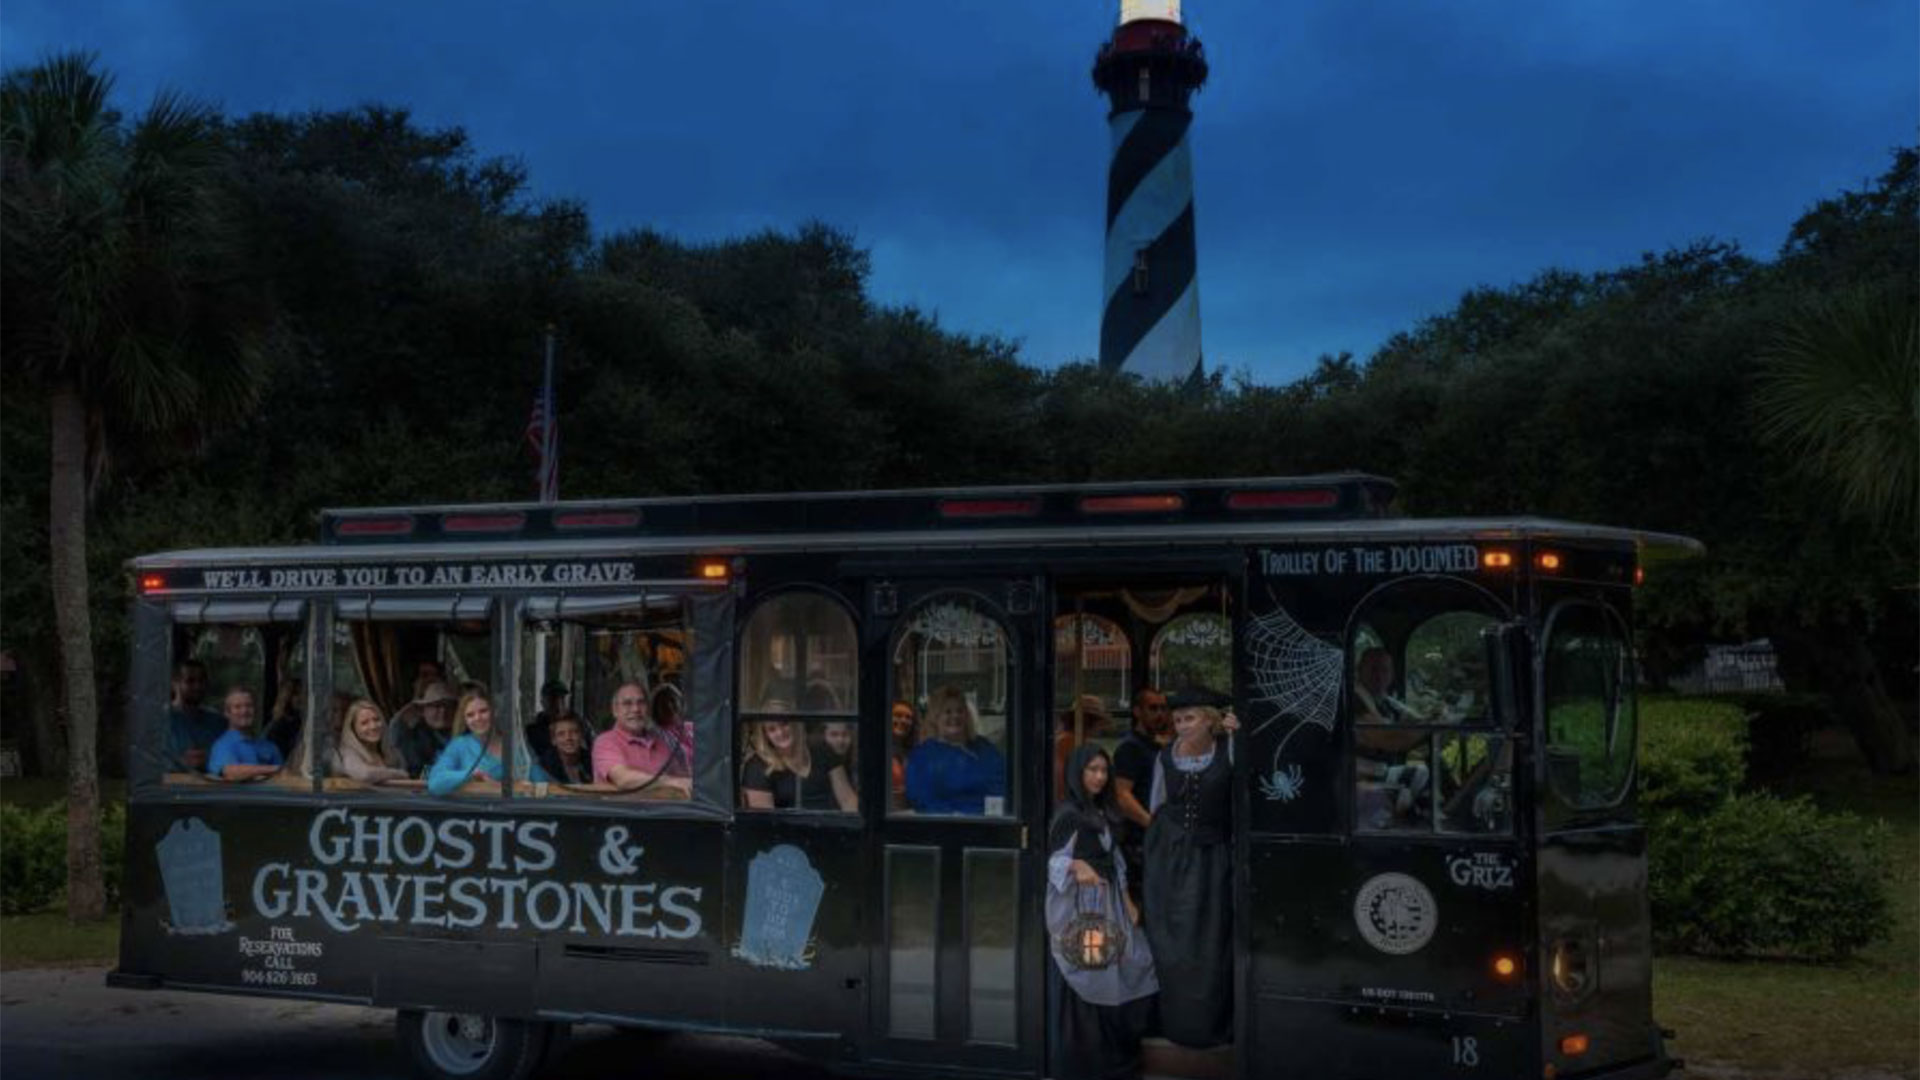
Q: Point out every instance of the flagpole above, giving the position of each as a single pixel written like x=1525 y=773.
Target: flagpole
x=549 y=492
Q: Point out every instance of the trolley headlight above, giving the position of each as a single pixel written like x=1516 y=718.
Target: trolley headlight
x=1571 y=968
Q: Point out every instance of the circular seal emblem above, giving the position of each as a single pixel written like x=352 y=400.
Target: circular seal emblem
x=1395 y=913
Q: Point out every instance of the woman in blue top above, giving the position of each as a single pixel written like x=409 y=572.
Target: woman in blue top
x=477 y=750
x=956 y=771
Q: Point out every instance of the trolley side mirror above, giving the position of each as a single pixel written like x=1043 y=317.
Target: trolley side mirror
x=1509 y=670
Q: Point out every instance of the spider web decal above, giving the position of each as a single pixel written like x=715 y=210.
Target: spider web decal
x=1299 y=675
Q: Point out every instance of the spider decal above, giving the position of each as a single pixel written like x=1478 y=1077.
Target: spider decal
x=1283 y=785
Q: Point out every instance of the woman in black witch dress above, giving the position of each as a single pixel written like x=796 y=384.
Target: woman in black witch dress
x=1189 y=874
x=1095 y=1016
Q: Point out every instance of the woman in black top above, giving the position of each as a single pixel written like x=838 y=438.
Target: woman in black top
x=1189 y=874
x=783 y=773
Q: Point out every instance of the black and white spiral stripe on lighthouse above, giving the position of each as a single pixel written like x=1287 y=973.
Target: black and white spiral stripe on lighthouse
x=1150 y=325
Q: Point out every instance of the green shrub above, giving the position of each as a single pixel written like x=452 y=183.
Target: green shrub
x=33 y=855
x=33 y=858
x=1692 y=756
x=1759 y=876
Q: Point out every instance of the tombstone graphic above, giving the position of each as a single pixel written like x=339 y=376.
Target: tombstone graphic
x=191 y=873
x=783 y=896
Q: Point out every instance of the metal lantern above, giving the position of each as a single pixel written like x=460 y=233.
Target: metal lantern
x=1091 y=940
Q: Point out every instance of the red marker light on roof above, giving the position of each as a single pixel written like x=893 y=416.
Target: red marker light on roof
x=1300 y=499
x=596 y=519
x=382 y=526
x=988 y=508
x=483 y=523
x=152 y=582
x=1132 y=504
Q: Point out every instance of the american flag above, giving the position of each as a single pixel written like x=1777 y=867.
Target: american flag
x=543 y=435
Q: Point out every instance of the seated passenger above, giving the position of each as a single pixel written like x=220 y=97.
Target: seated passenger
x=956 y=771
x=421 y=729
x=783 y=773
x=1093 y=721
x=838 y=736
x=669 y=713
x=477 y=751
x=238 y=754
x=191 y=726
x=635 y=754
x=553 y=705
x=283 y=722
x=904 y=729
x=566 y=758
x=360 y=751
x=1393 y=788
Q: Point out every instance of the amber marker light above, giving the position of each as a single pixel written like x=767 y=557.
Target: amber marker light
x=1505 y=966
x=713 y=569
x=1132 y=504
x=1496 y=559
x=1573 y=1045
x=1547 y=560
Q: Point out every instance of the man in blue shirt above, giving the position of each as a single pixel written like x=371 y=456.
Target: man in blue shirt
x=191 y=726
x=238 y=755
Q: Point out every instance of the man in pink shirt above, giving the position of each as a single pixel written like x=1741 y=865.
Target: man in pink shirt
x=636 y=754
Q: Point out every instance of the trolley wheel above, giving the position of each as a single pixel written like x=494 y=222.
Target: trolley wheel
x=470 y=1046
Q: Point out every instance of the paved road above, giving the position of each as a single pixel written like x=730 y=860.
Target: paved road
x=64 y=1023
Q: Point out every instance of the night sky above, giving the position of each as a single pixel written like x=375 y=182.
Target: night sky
x=1357 y=165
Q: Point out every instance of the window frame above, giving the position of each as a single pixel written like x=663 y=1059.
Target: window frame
x=1621 y=801
x=809 y=720
x=1498 y=731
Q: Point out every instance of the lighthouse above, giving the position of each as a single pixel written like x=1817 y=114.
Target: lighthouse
x=1149 y=69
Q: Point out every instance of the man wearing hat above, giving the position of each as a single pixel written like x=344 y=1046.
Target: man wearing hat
x=553 y=704
x=423 y=726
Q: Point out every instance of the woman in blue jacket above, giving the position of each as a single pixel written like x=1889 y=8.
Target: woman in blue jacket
x=956 y=771
x=477 y=750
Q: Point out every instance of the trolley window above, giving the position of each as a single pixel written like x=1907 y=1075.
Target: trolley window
x=1589 y=704
x=412 y=700
x=953 y=662
x=1426 y=754
x=235 y=699
x=799 y=714
x=608 y=686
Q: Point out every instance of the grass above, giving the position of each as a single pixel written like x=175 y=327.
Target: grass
x=1813 y=1021
x=47 y=939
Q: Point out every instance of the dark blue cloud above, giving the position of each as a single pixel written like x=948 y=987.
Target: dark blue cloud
x=1358 y=166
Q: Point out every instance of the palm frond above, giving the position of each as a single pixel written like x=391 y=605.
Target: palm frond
x=1840 y=390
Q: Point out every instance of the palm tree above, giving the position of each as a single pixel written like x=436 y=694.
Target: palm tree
x=120 y=310
x=1840 y=390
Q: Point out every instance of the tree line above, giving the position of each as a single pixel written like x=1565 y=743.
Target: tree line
x=211 y=326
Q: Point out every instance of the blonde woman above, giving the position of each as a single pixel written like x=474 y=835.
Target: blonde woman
x=477 y=749
x=782 y=772
x=359 y=751
x=956 y=771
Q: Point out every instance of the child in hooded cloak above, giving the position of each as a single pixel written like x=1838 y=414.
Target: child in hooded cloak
x=1096 y=1016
